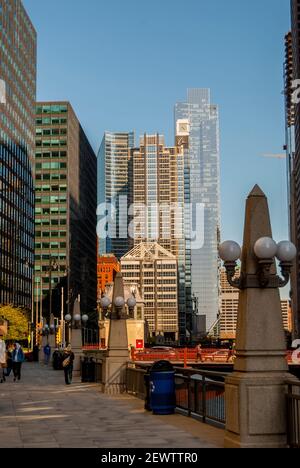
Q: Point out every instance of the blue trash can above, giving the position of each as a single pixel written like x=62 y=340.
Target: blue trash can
x=162 y=388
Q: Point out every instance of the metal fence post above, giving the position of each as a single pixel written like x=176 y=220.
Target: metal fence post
x=196 y=390
x=189 y=396
x=204 y=398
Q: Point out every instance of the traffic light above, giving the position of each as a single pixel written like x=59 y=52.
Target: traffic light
x=58 y=335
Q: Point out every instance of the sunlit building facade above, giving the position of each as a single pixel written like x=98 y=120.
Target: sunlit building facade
x=154 y=270
x=107 y=267
x=158 y=191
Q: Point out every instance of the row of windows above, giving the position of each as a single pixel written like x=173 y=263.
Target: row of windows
x=55 y=281
x=52 y=222
x=53 y=109
x=52 y=131
x=54 y=199
x=166 y=267
x=51 y=188
x=51 y=155
x=50 y=234
x=52 y=210
x=51 y=245
x=45 y=268
x=53 y=176
x=48 y=143
x=51 y=121
x=51 y=165
x=46 y=257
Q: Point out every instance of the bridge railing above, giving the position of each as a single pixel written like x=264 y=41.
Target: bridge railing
x=198 y=393
x=135 y=384
x=293 y=413
x=202 y=394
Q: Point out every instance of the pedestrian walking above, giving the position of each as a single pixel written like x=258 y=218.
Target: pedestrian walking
x=17 y=359
x=230 y=355
x=67 y=363
x=2 y=360
x=47 y=353
x=35 y=353
x=9 y=362
x=57 y=357
x=199 y=353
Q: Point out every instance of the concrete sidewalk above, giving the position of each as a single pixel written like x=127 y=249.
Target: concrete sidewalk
x=41 y=411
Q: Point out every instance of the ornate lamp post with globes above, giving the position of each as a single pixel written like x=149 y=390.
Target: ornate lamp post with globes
x=117 y=353
x=255 y=392
x=265 y=250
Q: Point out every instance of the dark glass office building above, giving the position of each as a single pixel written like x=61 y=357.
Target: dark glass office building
x=65 y=209
x=17 y=103
x=113 y=194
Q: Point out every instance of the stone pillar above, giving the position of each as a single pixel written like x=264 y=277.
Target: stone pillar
x=117 y=355
x=255 y=392
x=76 y=339
x=51 y=337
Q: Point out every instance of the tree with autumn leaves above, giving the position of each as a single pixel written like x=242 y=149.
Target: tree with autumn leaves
x=17 y=322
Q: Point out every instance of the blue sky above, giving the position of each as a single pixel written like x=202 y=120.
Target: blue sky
x=124 y=64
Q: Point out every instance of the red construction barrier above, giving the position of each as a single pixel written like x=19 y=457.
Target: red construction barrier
x=186 y=355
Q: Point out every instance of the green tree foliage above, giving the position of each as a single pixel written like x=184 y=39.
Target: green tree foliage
x=17 y=322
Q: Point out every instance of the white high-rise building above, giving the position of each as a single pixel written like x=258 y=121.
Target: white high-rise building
x=154 y=270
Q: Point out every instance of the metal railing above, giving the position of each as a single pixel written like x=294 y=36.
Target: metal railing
x=98 y=371
x=91 y=370
x=293 y=413
x=201 y=393
x=198 y=393
x=135 y=384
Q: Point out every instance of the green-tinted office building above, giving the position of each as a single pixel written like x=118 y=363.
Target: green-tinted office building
x=65 y=210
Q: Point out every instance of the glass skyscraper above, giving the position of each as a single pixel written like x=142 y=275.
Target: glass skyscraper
x=204 y=173
x=17 y=101
x=113 y=183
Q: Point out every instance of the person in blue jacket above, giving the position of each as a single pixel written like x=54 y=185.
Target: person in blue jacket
x=47 y=353
x=17 y=359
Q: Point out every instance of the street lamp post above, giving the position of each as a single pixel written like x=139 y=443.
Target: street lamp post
x=265 y=249
x=77 y=319
x=52 y=267
x=68 y=320
x=84 y=319
x=255 y=391
x=27 y=266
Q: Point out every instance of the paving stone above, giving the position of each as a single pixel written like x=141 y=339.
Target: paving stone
x=41 y=411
